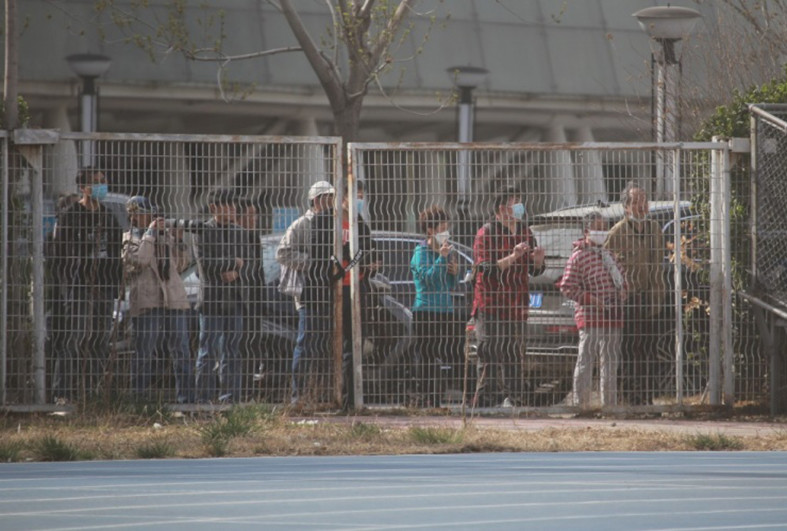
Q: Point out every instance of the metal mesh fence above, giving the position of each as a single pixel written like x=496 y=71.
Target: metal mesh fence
x=479 y=320
x=182 y=301
x=160 y=267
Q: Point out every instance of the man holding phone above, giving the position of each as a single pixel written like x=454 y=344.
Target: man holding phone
x=505 y=253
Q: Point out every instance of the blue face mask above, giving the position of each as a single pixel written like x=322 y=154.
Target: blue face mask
x=518 y=210
x=99 y=191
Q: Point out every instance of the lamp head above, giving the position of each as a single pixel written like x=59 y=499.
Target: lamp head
x=89 y=64
x=667 y=22
x=467 y=76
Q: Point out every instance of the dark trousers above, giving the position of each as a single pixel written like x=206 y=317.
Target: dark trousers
x=437 y=343
x=638 y=352
x=501 y=349
x=82 y=347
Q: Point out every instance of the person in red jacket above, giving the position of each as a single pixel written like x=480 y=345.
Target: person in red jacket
x=596 y=282
x=505 y=253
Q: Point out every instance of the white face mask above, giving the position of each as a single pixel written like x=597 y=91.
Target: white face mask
x=442 y=237
x=598 y=236
x=638 y=220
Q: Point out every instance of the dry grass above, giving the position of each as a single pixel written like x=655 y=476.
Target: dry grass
x=255 y=430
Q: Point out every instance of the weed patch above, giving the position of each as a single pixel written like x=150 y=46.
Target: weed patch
x=435 y=435
x=716 y=443
x=51 y=448
x=155 y=450
x=10 y=451
x=237 y=422
x=364 y=432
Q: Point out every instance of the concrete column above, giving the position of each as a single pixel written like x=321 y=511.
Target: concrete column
x=309 y=162
x=65 y=165
x=558 y=173
x=589 y=172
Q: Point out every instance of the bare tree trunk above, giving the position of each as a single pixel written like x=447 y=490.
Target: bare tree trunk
x=10 y=88
x=346 y=121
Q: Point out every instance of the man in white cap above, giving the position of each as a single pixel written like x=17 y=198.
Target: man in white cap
x=313 y=303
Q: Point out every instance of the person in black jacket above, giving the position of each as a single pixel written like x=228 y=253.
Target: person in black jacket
x=86 y=245
x=219 y=248
x=368 y=265
x=253 y=279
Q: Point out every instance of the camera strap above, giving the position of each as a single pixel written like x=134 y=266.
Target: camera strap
x=352 y=263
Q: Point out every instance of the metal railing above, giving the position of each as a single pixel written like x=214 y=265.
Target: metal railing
x=400 y=355
x=687 y=356
x=73 y=328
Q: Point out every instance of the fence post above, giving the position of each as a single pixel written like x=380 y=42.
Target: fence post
x=677 y=272
x=728 y=362
x=355 y=287
x=30 y=144
x=716 y=280
x=338 y=295
x=4 y=274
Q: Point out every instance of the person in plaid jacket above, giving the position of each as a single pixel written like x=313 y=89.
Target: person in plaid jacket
x=595 y=281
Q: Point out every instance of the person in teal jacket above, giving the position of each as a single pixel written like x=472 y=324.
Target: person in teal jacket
x=435 y=269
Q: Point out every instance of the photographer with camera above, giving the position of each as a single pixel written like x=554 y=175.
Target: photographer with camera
x=153 y=258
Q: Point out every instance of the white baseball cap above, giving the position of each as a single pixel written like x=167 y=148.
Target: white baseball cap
x=320 y=188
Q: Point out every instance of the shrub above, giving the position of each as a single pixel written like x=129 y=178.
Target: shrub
x=435 y=435
x=155 y=450
x=718 y=442
x=51 y=448
x=10 y=451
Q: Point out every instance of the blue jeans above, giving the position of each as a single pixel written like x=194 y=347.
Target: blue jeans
x=219 y=341
x=311 y=355
x=152 y=330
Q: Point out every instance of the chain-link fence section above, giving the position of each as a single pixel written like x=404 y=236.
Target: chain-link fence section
x=152 y=272
x=493 y=316
x=769 y=214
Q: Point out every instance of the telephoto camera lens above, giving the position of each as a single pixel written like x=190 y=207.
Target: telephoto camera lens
x=185 y=224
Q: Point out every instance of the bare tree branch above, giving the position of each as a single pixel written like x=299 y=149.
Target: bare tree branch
x=386 y=37
x=218 y=56
x=322 y=69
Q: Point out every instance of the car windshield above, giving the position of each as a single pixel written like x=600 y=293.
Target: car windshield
x=557 y=239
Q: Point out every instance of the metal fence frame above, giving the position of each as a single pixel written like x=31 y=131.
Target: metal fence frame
x=721 y=377
x=34 y=143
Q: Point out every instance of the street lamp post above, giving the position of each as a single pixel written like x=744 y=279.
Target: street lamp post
x=666 y=25
x=88 y=67
x=466 y=79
